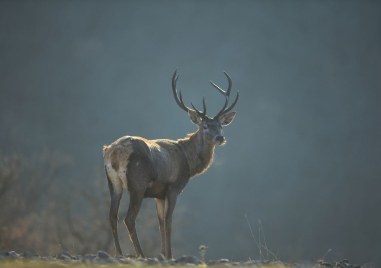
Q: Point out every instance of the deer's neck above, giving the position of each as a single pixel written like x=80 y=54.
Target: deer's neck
x=198 y=152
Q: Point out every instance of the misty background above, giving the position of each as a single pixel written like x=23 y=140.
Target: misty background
x=303 y=158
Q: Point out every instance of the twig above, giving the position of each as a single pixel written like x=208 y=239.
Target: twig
x=259 y=243
x=252 y=233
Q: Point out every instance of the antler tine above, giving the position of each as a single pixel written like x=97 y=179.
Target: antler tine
x=204 y=106
x=203 y=113
x=177 y=96
x=233 y=104
x=226 y=94
x=218 y=88
x=197 y=111
x=230 y=84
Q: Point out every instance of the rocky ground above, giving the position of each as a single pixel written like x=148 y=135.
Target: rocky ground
x=103 y=258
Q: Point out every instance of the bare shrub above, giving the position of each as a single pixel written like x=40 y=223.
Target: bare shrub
x=24 y=191
x=41 y=214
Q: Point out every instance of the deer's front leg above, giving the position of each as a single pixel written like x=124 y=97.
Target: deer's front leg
x=170 y=203
x=160 y=209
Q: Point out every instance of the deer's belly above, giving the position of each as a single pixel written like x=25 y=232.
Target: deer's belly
x=156 y=189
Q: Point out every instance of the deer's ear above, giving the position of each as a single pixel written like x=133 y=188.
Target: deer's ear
x=227 y=118
x=194 y=117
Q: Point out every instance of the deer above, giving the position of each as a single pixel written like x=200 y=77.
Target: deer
x=161 y=168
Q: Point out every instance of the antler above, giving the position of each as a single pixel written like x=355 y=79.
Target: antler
x=179 y=99
x=227 y=95
x=177 y=96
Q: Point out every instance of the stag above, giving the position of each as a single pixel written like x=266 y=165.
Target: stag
x=161 y=168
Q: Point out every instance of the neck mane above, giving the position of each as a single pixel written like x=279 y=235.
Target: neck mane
x=198 y=152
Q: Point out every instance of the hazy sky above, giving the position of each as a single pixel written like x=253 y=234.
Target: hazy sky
x=303 y=154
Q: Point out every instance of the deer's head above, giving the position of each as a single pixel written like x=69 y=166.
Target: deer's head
x=209 y=127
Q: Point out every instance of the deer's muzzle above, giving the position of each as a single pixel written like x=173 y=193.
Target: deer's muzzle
x=220 y=140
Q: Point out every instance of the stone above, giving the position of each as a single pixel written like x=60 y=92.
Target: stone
x=13 y=255
x=103 y=257
x=188 y=260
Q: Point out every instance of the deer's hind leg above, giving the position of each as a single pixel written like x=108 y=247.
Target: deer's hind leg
x=116 y=192
x=139 y=174
x=136 y=199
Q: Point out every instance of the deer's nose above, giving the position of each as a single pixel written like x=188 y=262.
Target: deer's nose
x=220 y=139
